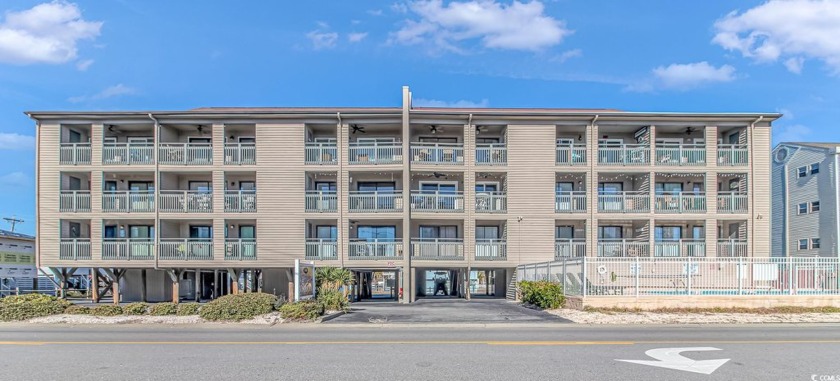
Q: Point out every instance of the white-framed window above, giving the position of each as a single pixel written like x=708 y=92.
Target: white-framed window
x=815 y=168
x=815 y=206
x=802 y=208
x=802 y=171
x=815 y=243
x=803 y=244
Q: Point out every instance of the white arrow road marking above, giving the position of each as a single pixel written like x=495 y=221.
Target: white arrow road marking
x=670 y=358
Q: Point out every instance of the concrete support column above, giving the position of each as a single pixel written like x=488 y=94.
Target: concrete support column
x=143 y=286
x=197 y=285
x=467 y=290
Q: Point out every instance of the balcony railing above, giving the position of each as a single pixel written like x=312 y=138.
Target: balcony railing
x=683 y=154
x=623 y=248
x=625 y=154
x=186 y=153
x=186 y=249
x=375 y=250
x=74 y=201
x=321 y=201
x=732 y=202
x=569 y=248
x=733 y=154
x=732 y=248
x=128 y=153
x=74 y=249
x=491 y=154
x=437 y=202
x=240 y=153
x=240 y=249
x=128 y=249
x=376 y=202
x=128 y=201
x=491 y=202
x=442 y=249
x=240 y=201
x=186 y=202
x=624 y=202
x=437 y=153
x=570 y=202
x=376 y=153
x=490 y=250
x=681 y=203
x=321 y=249
x=571 y=154
x=74 y=153
x=680 y=248
x=320 y=153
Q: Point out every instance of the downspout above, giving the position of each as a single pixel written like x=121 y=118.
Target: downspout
x=785 y=214
x=339 y=145
x=157 y=188
x=751 y=180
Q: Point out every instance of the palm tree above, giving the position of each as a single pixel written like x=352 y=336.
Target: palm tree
x=333 y=278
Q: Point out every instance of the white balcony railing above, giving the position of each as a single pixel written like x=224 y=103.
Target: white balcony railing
x=571 y=154
x=437 y=202
x=74 y=153
x=491 y=202
x=732 y=202
x=682 y=154
x=376 y=153
x=321 y=201
x=320 y=153
x=186 y=249
x=240 y=153
x=680 y=248
x=74 y=249
x=240 y=201
x=186 y=154
x=570 y=202
x=732 y=248
x=443 y=249
x=624 y=154
x=490 y=250
x=128 y=201
x=321 y=249
x=569 y=248
x=681 y=203
x=240 y=249
x=185 y=201
x=624 y=202
x=491 y=154
x=128 y=153
x=74 y=201
x=733 y=154
x=375 y=250
x=128 y=249
x=437 y=153
x=623 y=248
x=375 y=201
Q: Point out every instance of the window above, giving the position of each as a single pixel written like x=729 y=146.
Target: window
x=377 y=233
x=815 y=206
x=803 y=208
x=610 y=232
x=486 y=233
x=325 y=186
x=564 y=232
x=326 y=232
x=667 y=233
x=803 y=244
x=815 y=243
x=815 y=168
x=803 y=171
x=438 y=232
x=201 y=186
x=668 y=188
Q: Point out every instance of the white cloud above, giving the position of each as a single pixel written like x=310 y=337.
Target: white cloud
x=791 y=133
x=374 y=12
x=45 y=33
x=356 y=37
x=516 y=26
x=785 y=29
x=13 y=141
x=84 y=65
x=109 y=92
x=569 y=54
x=14 y=179
x=685 y=76
x=421 y=102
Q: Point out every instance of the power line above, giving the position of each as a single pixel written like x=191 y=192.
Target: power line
x=13 y=221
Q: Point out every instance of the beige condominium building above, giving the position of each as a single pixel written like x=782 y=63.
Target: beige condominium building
x=418 y=202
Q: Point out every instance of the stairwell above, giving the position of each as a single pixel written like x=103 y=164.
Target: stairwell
x=511 y=288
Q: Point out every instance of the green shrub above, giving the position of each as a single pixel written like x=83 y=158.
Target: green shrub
x=238 y=306
x=333 y=300
x=302 y=311
x=187 y=309
x=77 y=310
x=163 y=309
x=543 y=294
x=106 y=310
x=22 y=307
x=281 y=300
x=75 y=294
x=139 y=308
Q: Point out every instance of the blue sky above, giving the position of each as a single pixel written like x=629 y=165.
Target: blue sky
x=652 y=55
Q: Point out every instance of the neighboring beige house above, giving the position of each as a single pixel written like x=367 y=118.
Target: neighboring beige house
x=414 y=200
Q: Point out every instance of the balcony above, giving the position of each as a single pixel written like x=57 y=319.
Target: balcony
x=128 y=201
x=74 y=153
x=624 y=154
x=571 y=154
x=569 y=248
x=681 y=154
x=321 y=249
x=186 y=154
x=74 y=249
x=732 y=202
x=490 y=250
x=321 y=201
x=681 y=203
x=186 y=249
x=440 y=249
x=491 y=154
x=240 y=154
x=680 y=248
x=320 y=153
x=240 y=201
x=437 y=153
x=375 y=250
x=376 y=153
x=732 y=248
x=733 y=154
x=186 y=202
x=74 y=201
x=570 y=202
x=240 y=249
x=623 y=248
x=491 y=202
x=128 y=153
x=437 y=202
x=375 y=202
x=624 y=202
x=128 y=249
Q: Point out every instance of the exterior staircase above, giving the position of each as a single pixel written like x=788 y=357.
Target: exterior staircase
x=511 y=288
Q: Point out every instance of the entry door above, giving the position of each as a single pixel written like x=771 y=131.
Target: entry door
x=483 y=196
x=564 y=191
x=563 y=235
x=440 y=234
x=489 y=235
x=74 y=137
x=610 y=196
x=248 y=234
x=75 y=183
x=326 y=233
x=385 y=188
x=445 y=193
x=140 y=236
x=667 y=239
x=378 y=234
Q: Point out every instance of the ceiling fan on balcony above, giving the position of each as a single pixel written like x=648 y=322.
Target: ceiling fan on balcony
x=689 y=130
x=438 y=175
x=200 y=129
x=479 y=129
x=357 y=128
x=434 y=129
x=113 y=128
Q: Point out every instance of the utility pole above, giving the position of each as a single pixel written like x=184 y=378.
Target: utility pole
x=13 y=221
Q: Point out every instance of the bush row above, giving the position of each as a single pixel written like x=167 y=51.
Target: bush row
x=543 y=294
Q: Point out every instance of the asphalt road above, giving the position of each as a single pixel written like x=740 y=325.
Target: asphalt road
x=481 y=311
x=355 y=352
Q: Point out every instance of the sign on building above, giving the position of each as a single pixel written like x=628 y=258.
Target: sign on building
x=304 y=280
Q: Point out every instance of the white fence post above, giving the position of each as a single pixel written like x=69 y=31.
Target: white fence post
x=790 y=275
x=740 y=275
x=548 y=271
x=564 y=278
x=583 y=278
x=688 y=274
x=637 y=276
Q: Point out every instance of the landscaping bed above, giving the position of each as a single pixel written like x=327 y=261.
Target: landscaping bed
x=702 y=316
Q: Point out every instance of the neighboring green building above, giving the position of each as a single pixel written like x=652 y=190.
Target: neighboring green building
x=17 y=261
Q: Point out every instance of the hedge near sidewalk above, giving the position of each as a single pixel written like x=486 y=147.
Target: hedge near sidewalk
x=23 y=307
x=238 y=307
x=543 y=294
